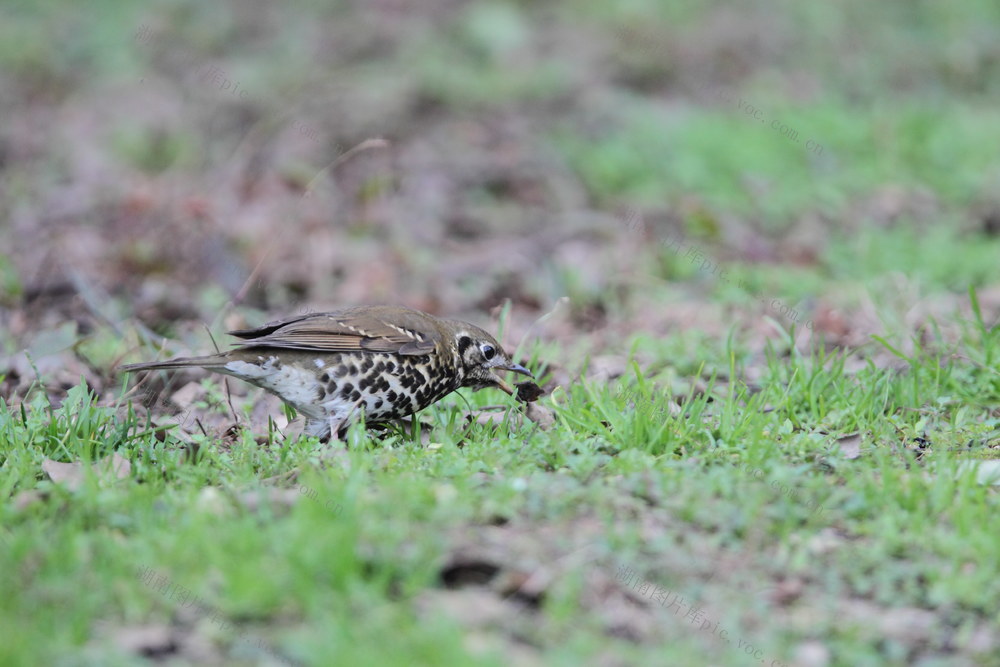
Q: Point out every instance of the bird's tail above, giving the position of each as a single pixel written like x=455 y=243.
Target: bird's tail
x=209 y=361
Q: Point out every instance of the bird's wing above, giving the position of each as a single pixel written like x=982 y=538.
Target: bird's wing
x=374 y=328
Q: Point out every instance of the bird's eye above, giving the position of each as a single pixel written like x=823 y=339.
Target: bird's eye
x=488 y=351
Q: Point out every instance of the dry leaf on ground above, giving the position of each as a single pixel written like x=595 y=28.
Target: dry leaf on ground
x=850 y=446
x=72 y=475
x=541 y=415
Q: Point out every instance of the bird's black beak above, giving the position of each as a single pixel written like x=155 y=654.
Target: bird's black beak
x=517 y=368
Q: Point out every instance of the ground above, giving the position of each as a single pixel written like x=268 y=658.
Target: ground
x=749 y=249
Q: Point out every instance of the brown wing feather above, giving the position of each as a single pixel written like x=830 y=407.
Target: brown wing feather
x=373 y=328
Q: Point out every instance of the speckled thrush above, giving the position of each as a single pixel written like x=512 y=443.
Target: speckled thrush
x=385 y=362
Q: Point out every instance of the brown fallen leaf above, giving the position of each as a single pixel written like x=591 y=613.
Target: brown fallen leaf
x=120 y=466
x=25 y=499
x=850 y=446
x=72 y=475
x=541 y=415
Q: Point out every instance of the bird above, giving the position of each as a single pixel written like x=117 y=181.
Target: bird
x=377 y=363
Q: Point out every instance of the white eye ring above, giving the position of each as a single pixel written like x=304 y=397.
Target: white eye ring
x=488 y=351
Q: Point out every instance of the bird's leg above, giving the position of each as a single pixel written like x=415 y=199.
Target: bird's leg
x=338 y=428
x=342 y=431
x=318 y=428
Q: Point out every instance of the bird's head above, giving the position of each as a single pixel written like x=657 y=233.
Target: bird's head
x=481 y=356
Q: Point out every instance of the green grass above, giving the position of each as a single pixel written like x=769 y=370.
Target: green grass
x=740 y=165
x=345 y=569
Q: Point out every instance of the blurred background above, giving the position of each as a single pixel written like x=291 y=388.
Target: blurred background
x=649 y=169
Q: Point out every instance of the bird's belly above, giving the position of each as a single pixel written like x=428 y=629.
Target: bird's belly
x=292 y=384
